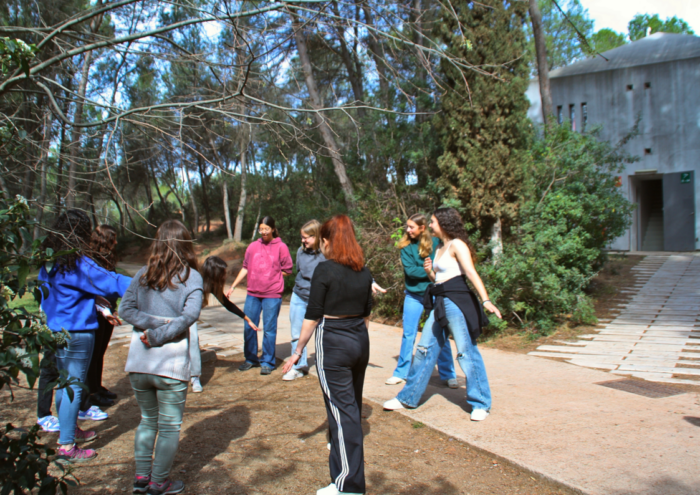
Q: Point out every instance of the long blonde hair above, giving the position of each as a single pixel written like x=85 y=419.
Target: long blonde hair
x=425 y=240
x=313 y=228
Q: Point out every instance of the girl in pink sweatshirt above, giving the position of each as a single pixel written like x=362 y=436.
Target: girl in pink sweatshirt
x=267 y=261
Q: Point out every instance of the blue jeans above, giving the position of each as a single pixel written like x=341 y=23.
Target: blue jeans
x=75 y=359
x=412 y=311
x=270 y=309
x=468 y=356
x=297 y=311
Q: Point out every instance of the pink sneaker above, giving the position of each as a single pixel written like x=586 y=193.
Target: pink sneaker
x=84 y=436
x=76 y=454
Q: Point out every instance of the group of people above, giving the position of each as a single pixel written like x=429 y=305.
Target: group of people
x=332 y=297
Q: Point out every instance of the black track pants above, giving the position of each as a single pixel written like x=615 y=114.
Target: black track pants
x=342 y=354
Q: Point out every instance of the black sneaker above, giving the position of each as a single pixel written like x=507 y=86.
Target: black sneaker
x=100 y=400
x=166 y=488
x=248 y=365
x=266 y=370
x=141 y=484
x=106 y=393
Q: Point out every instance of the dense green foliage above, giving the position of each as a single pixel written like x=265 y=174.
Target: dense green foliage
x=606 y=39
x=646 y=23
x=484 y=124
x=572 y=209
x=24 y=461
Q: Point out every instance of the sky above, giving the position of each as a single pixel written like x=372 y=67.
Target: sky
x=615 y=14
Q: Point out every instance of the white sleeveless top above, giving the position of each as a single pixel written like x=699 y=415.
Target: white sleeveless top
x=446 y=267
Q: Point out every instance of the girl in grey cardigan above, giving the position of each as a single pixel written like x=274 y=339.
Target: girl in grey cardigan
x=162 y=302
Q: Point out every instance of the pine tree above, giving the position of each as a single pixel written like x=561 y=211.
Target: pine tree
x=483 y=124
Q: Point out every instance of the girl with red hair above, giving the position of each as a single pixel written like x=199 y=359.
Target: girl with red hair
x=340 y=301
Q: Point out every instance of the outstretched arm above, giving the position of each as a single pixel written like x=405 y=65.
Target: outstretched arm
x=461 y=252
x=307 y=330
x=241 y=275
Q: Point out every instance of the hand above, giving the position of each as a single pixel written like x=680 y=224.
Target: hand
x=144 y=339
x=113 y=320
x=252 y=325
x=377 y=288
x=230 y=291
x=489 y=306
x=428 y=265
x=290 y=363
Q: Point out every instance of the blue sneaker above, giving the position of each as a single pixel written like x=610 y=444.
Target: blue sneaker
x=49 y=423
x=94 y=413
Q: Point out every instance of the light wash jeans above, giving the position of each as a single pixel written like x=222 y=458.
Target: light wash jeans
x=270 y=309
x=162 y=403
x=468 y=356
x=297 y=311
x=412 y=311
x=75 y=359
x=195 y=354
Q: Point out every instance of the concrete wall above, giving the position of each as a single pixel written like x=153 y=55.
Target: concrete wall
x=666 y=96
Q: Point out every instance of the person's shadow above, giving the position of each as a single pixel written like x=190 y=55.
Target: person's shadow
x=211 y=436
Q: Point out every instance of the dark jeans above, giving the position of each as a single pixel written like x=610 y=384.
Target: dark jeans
x=342 y=354
x=47 y=374
x=94 y=374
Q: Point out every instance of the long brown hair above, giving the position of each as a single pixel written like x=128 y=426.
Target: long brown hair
x=425 y=240
x=171 y=254
x=214 y=278
x=313 y=228
x=342 y=243
x=452 y=226
x=102 y=243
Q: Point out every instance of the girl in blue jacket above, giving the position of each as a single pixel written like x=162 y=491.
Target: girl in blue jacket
x=72 y=284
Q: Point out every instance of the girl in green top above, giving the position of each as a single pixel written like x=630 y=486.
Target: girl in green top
x=416 y=245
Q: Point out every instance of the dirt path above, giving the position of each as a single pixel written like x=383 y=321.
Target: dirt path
x=250 y=434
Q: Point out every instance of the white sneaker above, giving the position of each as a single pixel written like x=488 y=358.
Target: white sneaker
x=394 y=380
x=292 y=375
x=329 y=446
x=479 y=414
x=329 y=490
x=196 y=385
x=393 y=405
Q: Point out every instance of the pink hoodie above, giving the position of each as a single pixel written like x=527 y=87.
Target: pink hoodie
x=265 y=264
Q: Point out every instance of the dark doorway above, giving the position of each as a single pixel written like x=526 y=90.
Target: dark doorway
x=651 y=215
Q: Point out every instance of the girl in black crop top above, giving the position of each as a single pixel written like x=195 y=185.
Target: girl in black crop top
x=340 y=302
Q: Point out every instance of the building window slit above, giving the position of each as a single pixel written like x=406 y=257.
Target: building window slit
x=560 y=115
x=584 y=116
x=572 y=117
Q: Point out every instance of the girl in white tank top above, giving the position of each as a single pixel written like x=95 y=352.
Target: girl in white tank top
x=446 y=266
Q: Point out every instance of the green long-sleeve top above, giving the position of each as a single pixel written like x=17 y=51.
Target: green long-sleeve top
x=416 y=279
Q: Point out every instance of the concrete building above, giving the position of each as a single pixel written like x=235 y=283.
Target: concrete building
x=656 y=80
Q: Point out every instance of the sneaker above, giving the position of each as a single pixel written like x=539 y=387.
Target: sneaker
x=196 y=385
x=329 y=490
x=248 y=365
x=452 y=383
x=479 y=414
x=101 y=400
x=329 y=446
x=94 y=413
x=265 y=370
x=76 y=454
x=141 y=484
x=165 y=488
x=49 y=423
x=292 y=375
x=393 y=405
x=84 y=436
x=394 y=380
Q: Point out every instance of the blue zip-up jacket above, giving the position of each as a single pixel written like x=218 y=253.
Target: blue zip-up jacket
x=70 y=304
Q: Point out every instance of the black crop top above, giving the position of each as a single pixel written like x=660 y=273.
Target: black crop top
x=338 y=290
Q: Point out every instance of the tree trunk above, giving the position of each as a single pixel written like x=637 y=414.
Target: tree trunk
x=496 y=241
x=77 y=132
x=224 y=186
x=40 y=204
x=257 y=219
x=351 y=63
x=205 y=196
x=317 y=105
x=237 y=233
x=541 y=52
x=121 y=215
x=195 y=213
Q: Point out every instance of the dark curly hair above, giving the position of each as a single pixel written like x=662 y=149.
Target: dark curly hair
x=70 y=232
x=214 y=278
x=102 y=243
x=452 y=226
